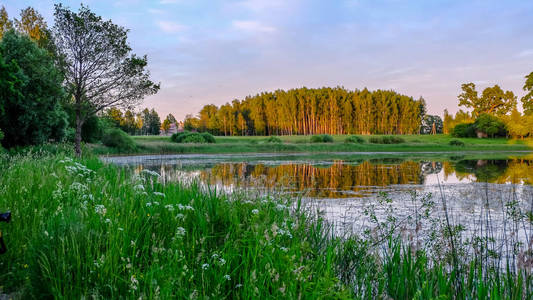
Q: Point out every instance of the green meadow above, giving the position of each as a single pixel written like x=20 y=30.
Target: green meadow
x=302 y=143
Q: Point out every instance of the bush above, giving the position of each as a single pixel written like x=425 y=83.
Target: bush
x=322 y=138
x=386 y=140
x=490 y=125
x=464 y=130
x=208 y=137
x=456 y=143
x=354 y=139
x=274 y=139
x=116 y=138
x=192 y=137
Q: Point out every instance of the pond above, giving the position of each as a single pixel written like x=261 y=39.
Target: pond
x=488 y=194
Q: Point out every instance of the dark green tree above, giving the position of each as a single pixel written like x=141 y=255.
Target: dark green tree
x=527 y=100
x=30 y=93
x=100 y=70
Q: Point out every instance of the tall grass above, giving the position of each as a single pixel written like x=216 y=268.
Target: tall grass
x=85 y=229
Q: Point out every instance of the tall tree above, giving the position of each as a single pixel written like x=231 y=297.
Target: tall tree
x=100 y=69
x=32 y=24
x=493 y=100
x=527 y=100
x=30 y=93
x=5 y=23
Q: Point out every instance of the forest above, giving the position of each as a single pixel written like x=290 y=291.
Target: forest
x=313 y=111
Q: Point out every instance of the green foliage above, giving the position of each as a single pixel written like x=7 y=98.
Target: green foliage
x=305 y=111
x=122 y=235
x=527 y=100
x=354 y=139
x=192 y=137
x=492 y=101
x=179 y=136
x=386 y=140
x=322 y=138
x=455 y=142
x=491 y=125
x=209 y=138
x=30 y=93
x=428 y=122
x=116 y=138
x=99 y=66
x=274 y=139
x=464 y=130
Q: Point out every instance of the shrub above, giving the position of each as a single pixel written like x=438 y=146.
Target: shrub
x=386 y=140
x=455 y=142
x=274 y=139
x=490 y=125
x=179 y=136
x=355 y=140
x=208 y=137
x=464 y=130
x=322 y=138
x=116 y=138
x=195 y=138
x=192 y=137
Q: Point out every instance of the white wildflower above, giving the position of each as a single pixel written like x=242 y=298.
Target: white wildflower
x=180 y=231
x=205 y=266
x=255 y=211
x=159 y=194
x=150 y=173
x=148 y=204
x=108 y=221
x=169 y=207
x=227 y=277
x=100 y=209
x=222 y=261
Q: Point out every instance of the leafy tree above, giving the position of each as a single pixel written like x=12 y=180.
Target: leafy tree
x=492 y=101
x=527 y=100
x=517 y=124
x=30 y=93
x=171 y=119
x=166 y=125
x=464 y=130
x=5 y=23
x=431 y=122
x=33 y=24
x=100 y=70
x=490 y=125
x=154 y=123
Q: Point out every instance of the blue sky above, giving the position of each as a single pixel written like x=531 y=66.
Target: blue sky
x=213 y=51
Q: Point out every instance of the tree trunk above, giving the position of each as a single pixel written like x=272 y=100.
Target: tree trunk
x=79 y=123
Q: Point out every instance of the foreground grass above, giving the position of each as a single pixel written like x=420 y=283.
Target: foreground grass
x=84 y=229
x=413 y=143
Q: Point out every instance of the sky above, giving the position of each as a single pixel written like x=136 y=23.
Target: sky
x=213 y=51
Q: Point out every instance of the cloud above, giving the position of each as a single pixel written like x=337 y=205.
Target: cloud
x=252 y=26
x=170 y=27
x=525 y=53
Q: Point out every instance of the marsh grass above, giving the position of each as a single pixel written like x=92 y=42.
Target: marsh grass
x=85 y=229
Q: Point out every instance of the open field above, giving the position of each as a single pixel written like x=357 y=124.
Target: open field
x=234 y=144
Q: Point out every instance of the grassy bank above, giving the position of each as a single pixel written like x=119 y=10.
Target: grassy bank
x=413 y=143
x=84 y=229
